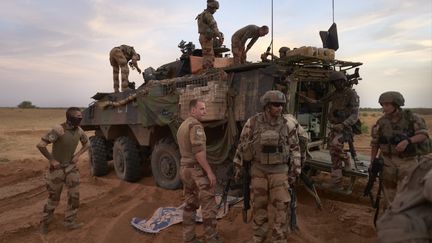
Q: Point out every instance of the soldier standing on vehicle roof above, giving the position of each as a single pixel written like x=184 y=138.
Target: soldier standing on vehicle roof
x=401 y=136
x=269 y=141
x=197 y=176
x=239 y=38
x=409 y=218
x=209 y=33
x=343 y=114
x=119 y=59
x=62 y=167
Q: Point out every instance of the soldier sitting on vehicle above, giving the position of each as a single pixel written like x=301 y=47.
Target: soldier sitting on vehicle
x=343 y=115
x=282 y=53
x=119 y=59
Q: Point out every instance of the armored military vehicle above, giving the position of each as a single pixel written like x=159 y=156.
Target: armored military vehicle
x=139 y=126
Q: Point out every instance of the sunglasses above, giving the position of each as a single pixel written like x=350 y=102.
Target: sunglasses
x=275 y=104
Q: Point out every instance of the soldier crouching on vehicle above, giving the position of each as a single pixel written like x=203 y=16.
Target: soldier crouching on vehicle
x=409 y=217
x=343 y=115
x=197 y=176
x=119 y=59
x=269 y=142
x=401 y=136
x=240 y=37
x=62 y=167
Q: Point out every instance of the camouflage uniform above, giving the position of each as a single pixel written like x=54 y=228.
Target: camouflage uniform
x=385 y=132
x=208 y=30
x=238 y=42
x=65 y=140
x=270 y=169
x=119 y=58
x=409 y=218
x=192 y=140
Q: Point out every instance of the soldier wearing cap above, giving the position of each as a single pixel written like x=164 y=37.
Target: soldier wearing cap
x=209 y=33
x=120 y=56
x=400 y=136
x=240 y=37
x=197 y=176
x=269 y=141
x=343 y=114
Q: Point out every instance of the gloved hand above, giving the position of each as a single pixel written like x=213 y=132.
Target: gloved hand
x=339 y=127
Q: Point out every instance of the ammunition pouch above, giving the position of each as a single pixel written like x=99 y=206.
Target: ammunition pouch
x=270 y=151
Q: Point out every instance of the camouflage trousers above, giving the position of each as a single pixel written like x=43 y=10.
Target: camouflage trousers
x=207 y=52
x=119 y=63
x=269 y=189
x=338 y=156
x=55 y=179
x=238 y=51
x=395 y=169
x=198 y=192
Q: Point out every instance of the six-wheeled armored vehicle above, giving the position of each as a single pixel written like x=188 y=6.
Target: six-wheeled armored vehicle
x=139 y=126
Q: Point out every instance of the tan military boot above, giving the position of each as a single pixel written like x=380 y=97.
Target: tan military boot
x=72 y=225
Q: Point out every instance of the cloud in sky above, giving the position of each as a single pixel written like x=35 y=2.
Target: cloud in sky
x=55 y=53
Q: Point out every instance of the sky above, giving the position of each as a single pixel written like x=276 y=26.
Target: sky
x=55 y=53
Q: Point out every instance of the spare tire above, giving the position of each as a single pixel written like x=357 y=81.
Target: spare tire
x=165 y=163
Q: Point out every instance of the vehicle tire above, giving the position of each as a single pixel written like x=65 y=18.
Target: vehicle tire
x=126 y=159
x=98 y=156
x=165 y=164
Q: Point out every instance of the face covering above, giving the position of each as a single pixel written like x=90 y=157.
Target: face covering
x=74 y=121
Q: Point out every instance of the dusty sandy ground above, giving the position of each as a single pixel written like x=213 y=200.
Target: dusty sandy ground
x=108 y=204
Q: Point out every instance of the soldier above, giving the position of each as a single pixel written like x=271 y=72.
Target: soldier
x=282 y=53
x=209 y=33
x=197 y=176
x=269 y=140
x=401 y=136
x=409 y=218
x=119 y=59
x=62 y=167
x=343 y=115
x=239 y=38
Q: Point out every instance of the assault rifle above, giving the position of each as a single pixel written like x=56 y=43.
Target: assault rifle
x=227 y=187
x=246 y=189
x=375 y=171
x=293 y=209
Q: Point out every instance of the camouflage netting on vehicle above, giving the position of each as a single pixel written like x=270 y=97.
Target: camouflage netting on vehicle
x=160 y=107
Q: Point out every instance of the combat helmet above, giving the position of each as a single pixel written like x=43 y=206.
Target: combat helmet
x=212 y=4
x=336 y=76
x=392 y=97
x=273 y=96
x=283 y=49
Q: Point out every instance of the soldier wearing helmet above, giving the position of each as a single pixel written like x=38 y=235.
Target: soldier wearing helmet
x=400 y=136
x=343 y=115
x=269 y=141
x=209 y=33
x=282 y=53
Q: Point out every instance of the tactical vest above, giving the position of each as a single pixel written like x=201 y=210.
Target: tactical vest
x=270 y=141
x=342 y=105
x=203 y=27
x=393 y=133
x=64 y=147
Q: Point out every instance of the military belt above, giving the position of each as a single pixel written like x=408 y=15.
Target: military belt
x=269 y=149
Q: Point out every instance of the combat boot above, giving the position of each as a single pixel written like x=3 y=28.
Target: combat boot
x=72 y=225
x=44 y=227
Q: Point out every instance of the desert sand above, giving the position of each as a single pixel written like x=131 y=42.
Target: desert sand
x=108 y=204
